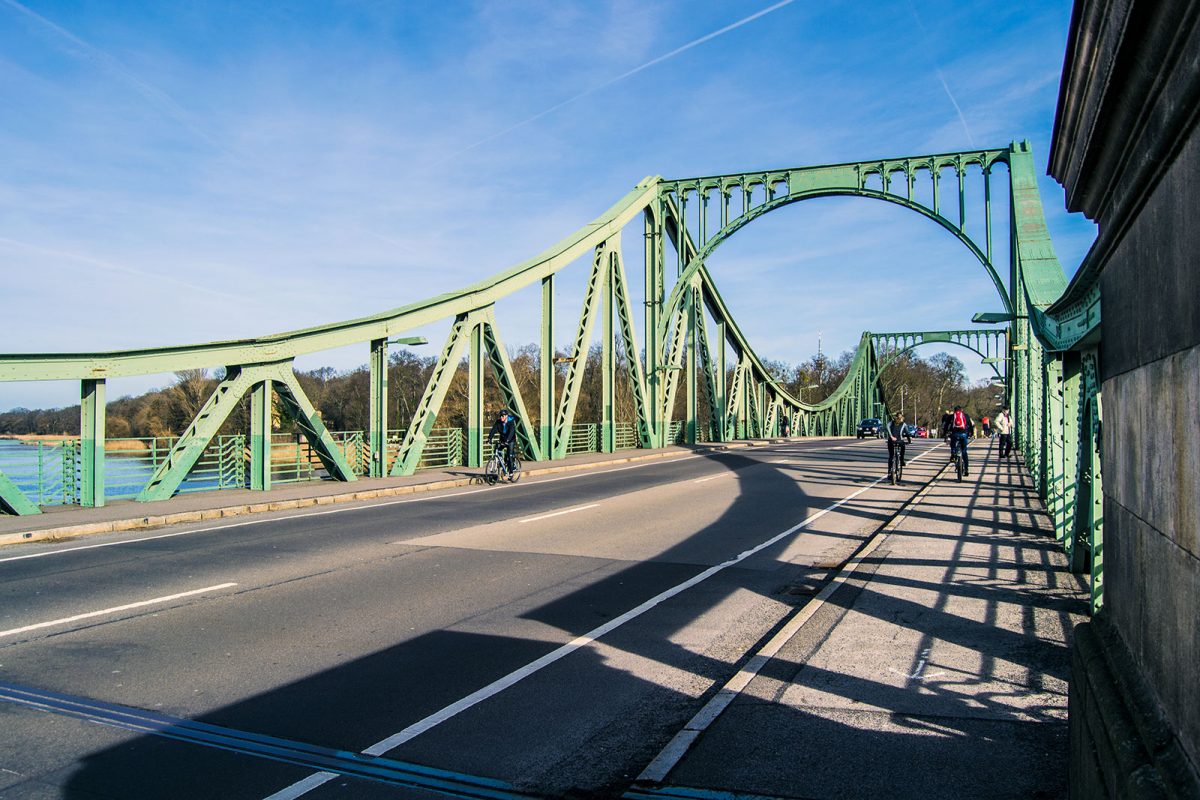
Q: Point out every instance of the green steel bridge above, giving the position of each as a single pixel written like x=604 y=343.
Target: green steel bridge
x=1043 y=348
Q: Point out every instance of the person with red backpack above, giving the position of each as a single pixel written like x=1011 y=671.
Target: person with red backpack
x=961 y=429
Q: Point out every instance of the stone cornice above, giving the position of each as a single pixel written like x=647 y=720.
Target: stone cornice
x=1130 y=88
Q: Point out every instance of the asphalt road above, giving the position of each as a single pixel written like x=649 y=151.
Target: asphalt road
x=544 y=639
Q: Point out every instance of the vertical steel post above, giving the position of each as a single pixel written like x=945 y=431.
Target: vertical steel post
x=608 y=377
x=261 y=403
x=987 y=210
x=475 y=397
x=722 y=403
x=91 y=444
x=962 y=199
x=653 y=285
x=546 y=408
x=689 y=355
x=379 y=415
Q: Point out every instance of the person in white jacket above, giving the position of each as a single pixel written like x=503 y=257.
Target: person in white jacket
x=1004 y=426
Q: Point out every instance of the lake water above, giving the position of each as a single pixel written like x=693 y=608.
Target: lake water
x=39 y=472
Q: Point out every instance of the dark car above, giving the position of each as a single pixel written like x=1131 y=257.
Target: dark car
x=870 y=427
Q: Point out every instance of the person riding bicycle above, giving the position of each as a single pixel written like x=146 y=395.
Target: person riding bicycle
x=896 y=432
x=961 y=428
x=505 y=427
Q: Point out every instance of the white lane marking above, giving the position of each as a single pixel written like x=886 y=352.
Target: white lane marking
x=677 y=748
x=558 y=513
x=303 y=787
x=514 y=677
x=713 y=477
x=430 y=496
x=114 y=609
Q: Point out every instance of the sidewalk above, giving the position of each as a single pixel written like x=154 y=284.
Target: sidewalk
x=939 y=669
x=125 y=515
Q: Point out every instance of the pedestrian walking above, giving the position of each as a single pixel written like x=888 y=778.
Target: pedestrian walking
x=1004 y=427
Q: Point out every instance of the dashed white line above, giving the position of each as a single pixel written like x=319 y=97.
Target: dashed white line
x=558 y=513
x=114 y=609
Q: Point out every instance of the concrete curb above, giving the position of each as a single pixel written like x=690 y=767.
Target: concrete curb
x=160 y=520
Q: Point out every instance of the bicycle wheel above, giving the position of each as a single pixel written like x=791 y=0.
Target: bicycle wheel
x=515 y=474
x=491 y=473
x=899 y=473
x=959 y=468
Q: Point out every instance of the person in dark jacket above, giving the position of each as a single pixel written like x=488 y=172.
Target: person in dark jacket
x=505 y=428
x=896 y=433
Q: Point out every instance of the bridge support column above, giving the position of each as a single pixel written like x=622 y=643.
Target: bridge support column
x=261 y=405
x=91 y=442
x=690 y=369
x=378 y=420
x=546 y=407
x=608 y=379
x=475 y=397
x=722 y=401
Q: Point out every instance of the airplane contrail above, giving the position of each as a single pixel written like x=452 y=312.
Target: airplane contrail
x=941 y=77
x=154 y=95
x=682 y=48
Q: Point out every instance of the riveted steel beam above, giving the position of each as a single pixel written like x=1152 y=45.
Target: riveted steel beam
x=301 y=410
x=13 y=500
x=641 y=399
x=423 y=420
x=91 y=442
x=378 y=412
x=591 y=306
x=510 y=392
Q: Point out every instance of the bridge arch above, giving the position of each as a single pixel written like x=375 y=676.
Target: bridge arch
x=696 y=261
x=990 y=345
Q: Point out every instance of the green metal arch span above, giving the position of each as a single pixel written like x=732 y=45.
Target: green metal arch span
x=745 y=219
x=892 y=355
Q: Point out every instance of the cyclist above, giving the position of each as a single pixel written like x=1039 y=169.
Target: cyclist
x=896 y=432
x=961 y=429
x=505 y=427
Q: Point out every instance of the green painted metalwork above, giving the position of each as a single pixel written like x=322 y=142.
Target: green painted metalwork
x=546 y=368
x=497 y=357
x=1046 y=352
x=431 y=400
x=378 y=409
x=591 y=304
x=475 y=397
x=262 y=403
x=13 y=500
x=91 y=442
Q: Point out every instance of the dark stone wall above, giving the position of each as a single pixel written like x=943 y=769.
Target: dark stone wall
x=1127 y=149
x=1150 y=284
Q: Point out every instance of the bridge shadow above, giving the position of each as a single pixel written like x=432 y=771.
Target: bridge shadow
x=538 y=734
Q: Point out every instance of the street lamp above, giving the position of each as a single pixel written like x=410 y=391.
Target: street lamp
x=800 y=390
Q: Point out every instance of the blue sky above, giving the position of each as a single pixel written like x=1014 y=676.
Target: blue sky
x=184 y=172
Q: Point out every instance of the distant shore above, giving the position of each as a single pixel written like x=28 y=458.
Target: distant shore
x=38 y=438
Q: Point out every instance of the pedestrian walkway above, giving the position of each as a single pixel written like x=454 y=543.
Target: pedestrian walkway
x=938 y=669
x=125 y=515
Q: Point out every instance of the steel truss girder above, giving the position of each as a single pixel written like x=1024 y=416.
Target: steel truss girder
x=238 y=380
x=565 y=417
x=479 y=327
x=13 y=500
x=637 y=377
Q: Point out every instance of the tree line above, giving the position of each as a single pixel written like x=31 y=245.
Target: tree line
x=923 y=387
